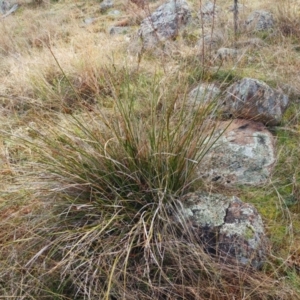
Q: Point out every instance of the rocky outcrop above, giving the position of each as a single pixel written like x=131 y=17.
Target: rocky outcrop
x=226 y=226
x=254 y=100
x=244 y=153
x=164 y=23
x=260 y=20
x=203 y=93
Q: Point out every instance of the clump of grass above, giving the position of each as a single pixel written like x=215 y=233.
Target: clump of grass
x=89 y=212
x=108 y=184
x=287 y=17
x=112 y=177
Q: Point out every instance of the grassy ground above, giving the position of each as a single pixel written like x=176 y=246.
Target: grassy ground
x=97 y=144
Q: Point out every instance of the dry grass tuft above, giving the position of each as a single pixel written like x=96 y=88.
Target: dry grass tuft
x=97 y=146
x=287 y=17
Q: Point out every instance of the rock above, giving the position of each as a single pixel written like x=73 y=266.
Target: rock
x=208 y=12
x=203 y=93
x=119 y=30
x=114 y=12
x=106 y=4
x=211 y=41
x=164 y=23
x=242 y=235
x=254 y=100
x=4 y=6
x=7 y=7
x=227 y=53
x=260 y=20
x=89 y=21
x=244 y=153
x=226 y=226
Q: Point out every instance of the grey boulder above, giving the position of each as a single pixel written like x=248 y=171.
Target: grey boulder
x=260 y=20
x=164 y=23
x=254 y=100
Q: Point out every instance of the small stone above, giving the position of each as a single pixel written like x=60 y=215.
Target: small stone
x=211 y=41
x=4 y=6
x=260 y=20
x=203 y=93
x=114 y=13
x=227 y=53
x=89 y=21
x=106 y=4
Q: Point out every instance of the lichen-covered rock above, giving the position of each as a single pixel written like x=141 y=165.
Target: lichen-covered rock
x=260 y=20
x=227 y=53
x=208 y=12
x=205 y=210
x=242 y=234
x=226 y=226
x=8 y=7
x=244 y=153
x=4 y=6
x=106 y=4
x=203 y=93
x=210 y=41
x=164 y=23
x=254 y=100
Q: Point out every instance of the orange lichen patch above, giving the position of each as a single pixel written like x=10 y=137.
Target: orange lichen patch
x=243 y=130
